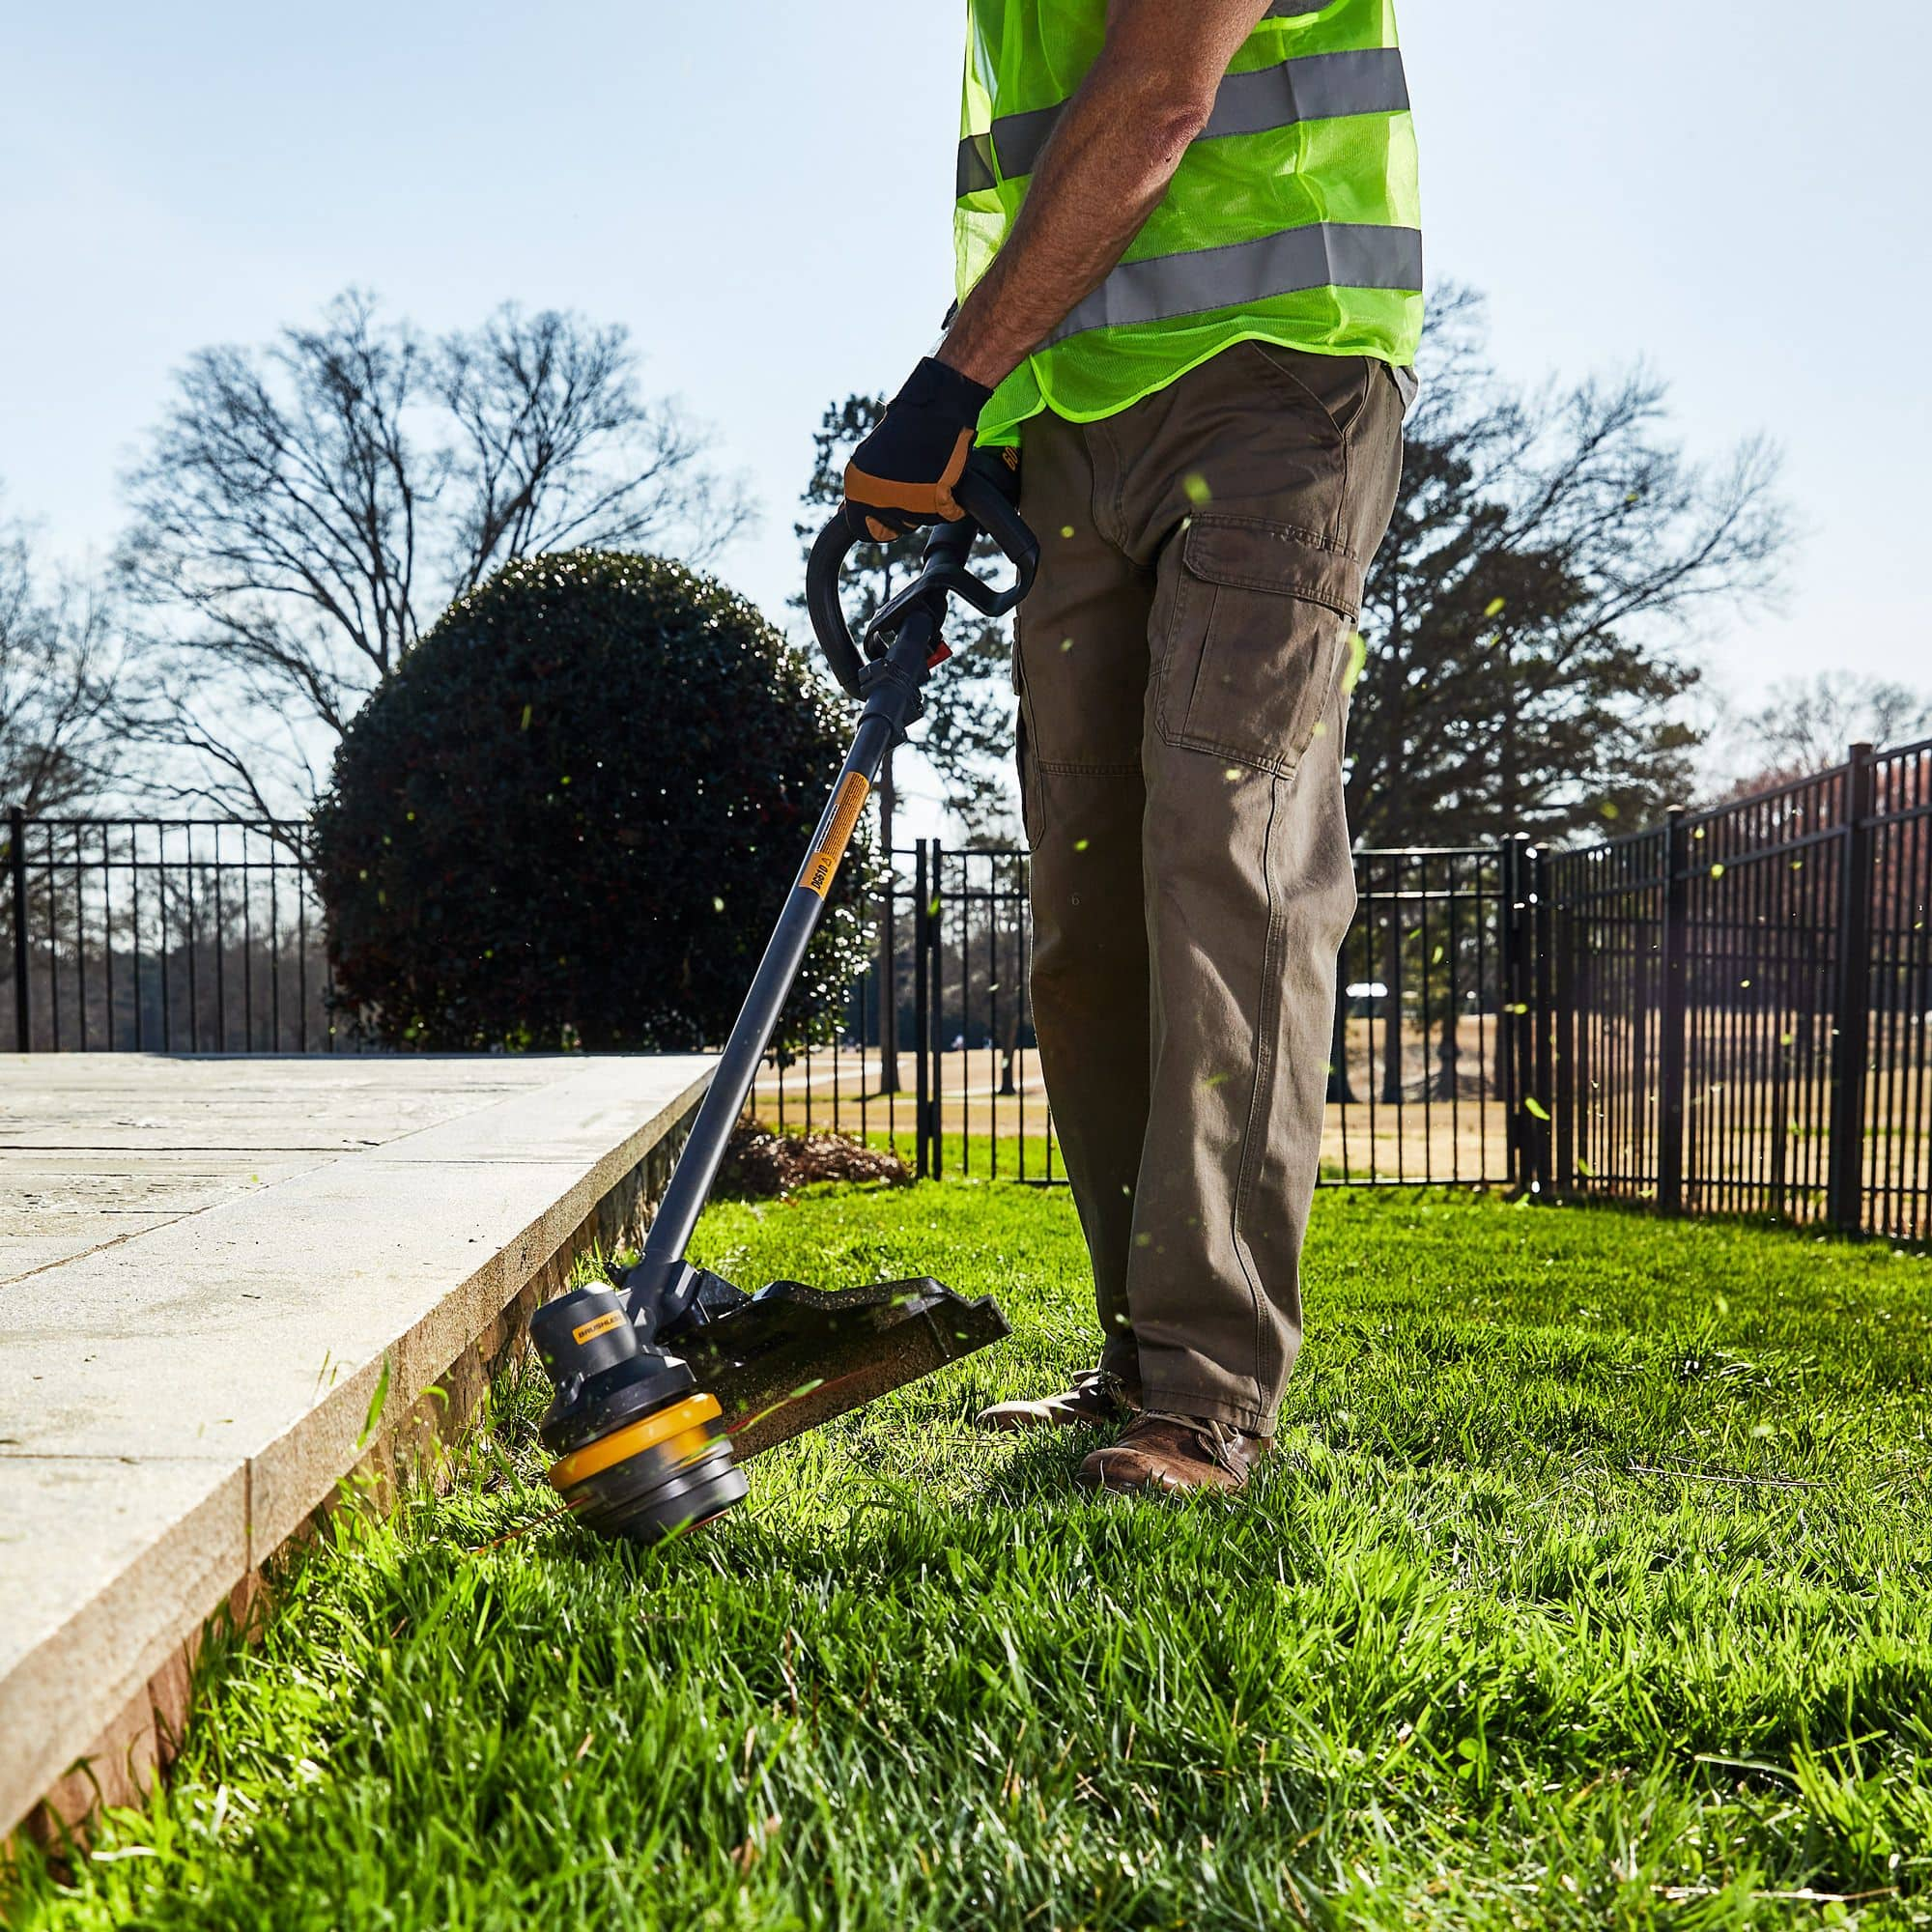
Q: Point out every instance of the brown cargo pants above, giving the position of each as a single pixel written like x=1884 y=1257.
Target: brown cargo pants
x=1182 y=666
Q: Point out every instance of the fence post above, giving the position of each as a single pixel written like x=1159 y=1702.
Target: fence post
x=17 y=868
x=935 y=1006
x=1554 y=1041
x=1851 y=1017
x=1672 y=1047
x=921 y=916
x=886 y=1001
x=1532 y=955
x=1507 y=1017
x=1526 y=1065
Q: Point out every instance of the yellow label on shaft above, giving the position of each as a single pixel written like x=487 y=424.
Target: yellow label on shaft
x=588 y=1331
x=847 y=802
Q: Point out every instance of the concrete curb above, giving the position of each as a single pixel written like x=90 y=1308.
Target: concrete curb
x=176 y=1403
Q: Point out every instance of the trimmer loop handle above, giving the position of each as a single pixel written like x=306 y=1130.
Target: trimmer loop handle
x=944 y=574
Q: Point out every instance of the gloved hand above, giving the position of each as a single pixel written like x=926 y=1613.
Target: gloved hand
x=902 y=474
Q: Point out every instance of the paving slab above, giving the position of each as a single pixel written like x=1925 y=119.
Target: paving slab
x=207 y=1266
x=58 y=1204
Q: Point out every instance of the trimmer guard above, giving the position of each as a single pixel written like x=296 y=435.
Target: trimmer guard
x=791 y=1357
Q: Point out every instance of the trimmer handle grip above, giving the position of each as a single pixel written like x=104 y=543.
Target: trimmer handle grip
x=836 y=541
x=944 y=573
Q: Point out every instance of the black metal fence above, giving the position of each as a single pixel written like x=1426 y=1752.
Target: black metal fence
x=936 y=1054
x=164 y=936
x=1739 y=1003
x=1726 y=1014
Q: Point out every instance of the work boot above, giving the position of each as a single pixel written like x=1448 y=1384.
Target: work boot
x=1096 y=1398
x=1171 y=1453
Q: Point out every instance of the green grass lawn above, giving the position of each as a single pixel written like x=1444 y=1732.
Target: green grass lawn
x=1592 y=1586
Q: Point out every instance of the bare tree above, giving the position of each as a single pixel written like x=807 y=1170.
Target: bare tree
x=304 y=510
x=1807 y=723
x=59 y=670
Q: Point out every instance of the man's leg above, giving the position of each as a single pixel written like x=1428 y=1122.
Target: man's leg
x=1083 y=670
x=1259 y=489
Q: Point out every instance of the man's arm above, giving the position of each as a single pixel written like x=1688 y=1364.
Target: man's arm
x=1111 y=153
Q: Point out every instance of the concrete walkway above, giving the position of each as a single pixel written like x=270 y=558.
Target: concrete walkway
x=205 y=1266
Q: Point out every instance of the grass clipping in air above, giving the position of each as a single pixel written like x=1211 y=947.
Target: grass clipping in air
x=1589 y=1588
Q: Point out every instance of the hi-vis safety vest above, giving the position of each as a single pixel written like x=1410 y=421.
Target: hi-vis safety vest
x=1294 y=217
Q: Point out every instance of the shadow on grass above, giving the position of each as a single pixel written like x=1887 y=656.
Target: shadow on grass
x=1044 y=1468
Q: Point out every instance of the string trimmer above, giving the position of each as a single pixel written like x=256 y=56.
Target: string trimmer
x=669 y=1380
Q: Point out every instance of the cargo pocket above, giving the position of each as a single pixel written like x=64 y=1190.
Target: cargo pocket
x=1024 y=764
x=1257 y=636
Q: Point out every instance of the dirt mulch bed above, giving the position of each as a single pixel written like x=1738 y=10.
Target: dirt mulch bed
x=761 y=1163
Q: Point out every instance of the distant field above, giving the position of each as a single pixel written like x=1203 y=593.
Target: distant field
x=1753 y=1141
x=840 y=1089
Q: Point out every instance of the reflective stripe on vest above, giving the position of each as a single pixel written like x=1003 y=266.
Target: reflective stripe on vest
x=1330 y=253
x=1314 y=87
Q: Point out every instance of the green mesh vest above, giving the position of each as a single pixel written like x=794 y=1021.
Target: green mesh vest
x=1294 y=217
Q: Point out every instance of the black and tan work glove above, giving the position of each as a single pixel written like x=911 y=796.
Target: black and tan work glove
x=902 y=474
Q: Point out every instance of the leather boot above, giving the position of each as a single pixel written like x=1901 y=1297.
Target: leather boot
x=1174 y=1452
x=1096 y=1398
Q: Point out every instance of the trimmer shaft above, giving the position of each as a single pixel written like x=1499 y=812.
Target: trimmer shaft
x=643 y=1452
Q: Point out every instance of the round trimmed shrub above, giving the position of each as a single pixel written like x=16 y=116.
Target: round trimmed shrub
x=571 y=816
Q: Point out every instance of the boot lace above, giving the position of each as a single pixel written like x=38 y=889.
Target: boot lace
x=1221 y=1441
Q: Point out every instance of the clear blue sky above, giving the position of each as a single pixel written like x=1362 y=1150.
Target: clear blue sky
x=1734 y=192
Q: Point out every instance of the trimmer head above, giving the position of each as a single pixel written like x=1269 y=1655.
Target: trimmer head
x=649 y=1442
x=640 y=1452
